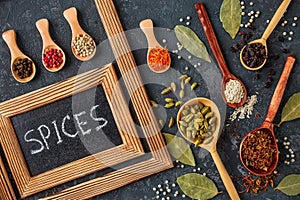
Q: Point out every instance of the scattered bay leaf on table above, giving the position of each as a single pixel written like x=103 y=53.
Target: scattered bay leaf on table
x=179 y=149
x=191 y=42
x=231 y=16
x=197 y=186
x=290 y=185
x=291 y=109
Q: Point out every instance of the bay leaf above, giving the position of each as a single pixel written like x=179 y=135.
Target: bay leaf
x=231 y=16
x=291 y=109
x=197 y=186
x=179 y=149
x=191 y=42
x=290 y=185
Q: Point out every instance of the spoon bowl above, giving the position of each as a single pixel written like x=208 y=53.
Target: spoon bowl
x=71 y=16
x=210 y=144
x=263 y=40
x=147 y=27
x=267 y=125
x=43 y=27
x=11 y=40
x=213 y=42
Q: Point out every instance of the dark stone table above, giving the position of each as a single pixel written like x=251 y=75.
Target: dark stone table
x=21 y=16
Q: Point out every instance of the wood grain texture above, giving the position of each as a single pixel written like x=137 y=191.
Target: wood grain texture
x=6 y=190
x=131 y=147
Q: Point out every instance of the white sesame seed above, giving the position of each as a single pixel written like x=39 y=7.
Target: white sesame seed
x=243 y=7
x=168 y=198
x=199 y=64
x=160 y=189
x=159 y=186
x=164 y=40
x=195 y=65
x=179 y=57
x=284 y=143
x=275 y=172
x=186 y=68
x=194 y=170
x=169 y=190
x=176 y=192
x=258 y=12
x=166 y=181
x=276 y=140
x=295 y=18
x=157 y=192
x=293 y=160
x=163 y=198
x=157 y=197
x=287 y=155
x=285 y=22
x=268 y=21
x=154 y=189
x=252 y=17
x=246 y=26
x=242 y=25
x=285 y=138
x=181 y=19
x=242 y=3
x=243 y=13
x=183 y=195
x=187 y=23
x=287 y=163
x=250 y=20
x=189 y=57
x=164 y=193
x=199 y=169
x=278 y=152
x=294 y=24
x=249 y=14
x=292 y=156
x=291 y=33
x=251 y=3
x=286 y=147
x=176 y=161
x=288 y=143
x=175 y=195
x=182 y=166
x=252 y=12
x=176 y=51
x=256 y=15
x=188 y=17
x=204 y=174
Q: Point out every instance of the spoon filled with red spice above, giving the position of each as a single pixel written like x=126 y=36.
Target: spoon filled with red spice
x=53 y=57
x=233 y=90
x=254 y=55
x=258 y=149
x=158 y=57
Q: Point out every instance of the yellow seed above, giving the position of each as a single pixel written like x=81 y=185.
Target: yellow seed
x=194 y=85
x=178 y=103
x=166 y=90
x=187 y=80
x=153 y=103
x=169 y=105
x=182 y=77
x=182 y=84
x=161 y=122
x=171 y=122
x=169 y=100
x=173 y=86
x=181 y=93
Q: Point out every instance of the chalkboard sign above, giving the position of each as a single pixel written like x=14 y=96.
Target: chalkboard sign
x=67 y=130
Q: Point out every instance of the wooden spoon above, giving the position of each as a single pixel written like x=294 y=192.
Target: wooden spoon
x=211 y=146
x=213 y=42
x=263 y=40
x=267 y=126
x=147 y=27
x=11 y=40
x=71 y=16
x=43 y=27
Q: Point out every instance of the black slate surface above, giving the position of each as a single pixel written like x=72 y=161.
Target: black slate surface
x=21 y=16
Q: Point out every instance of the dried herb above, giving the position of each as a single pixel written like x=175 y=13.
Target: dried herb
x=291 y=110
x=190 y=41
x=179 y=149
x=230 y=16
x=290 y=185
x=197 y=186
x=254 y=184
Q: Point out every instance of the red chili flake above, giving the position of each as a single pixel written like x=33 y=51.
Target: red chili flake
x=159 y=59
x=52 y=58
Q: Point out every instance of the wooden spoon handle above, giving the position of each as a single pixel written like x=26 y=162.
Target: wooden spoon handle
x=71 y=16
x=276 y=18
x=11 y=40
x=277 y=96
x=147 y=27
x=225 y=176
x=211 y=37
x=43 y=27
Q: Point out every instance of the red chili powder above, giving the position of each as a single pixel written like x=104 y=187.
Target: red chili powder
x=159 y=59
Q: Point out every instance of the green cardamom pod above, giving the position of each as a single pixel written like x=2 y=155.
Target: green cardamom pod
x=182 y=84
x=169 y=100
x=187 y=80
x=182 y=77
x=171 y=122
x=161 y=122
x=169 y=105
x=173 y=86
x=181 y=93
x=166 y=90
x=153 y=103
x=178 y=103
x=194 y=85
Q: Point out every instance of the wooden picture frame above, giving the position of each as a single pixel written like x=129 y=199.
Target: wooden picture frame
x=131 y=147
x=6 y=190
